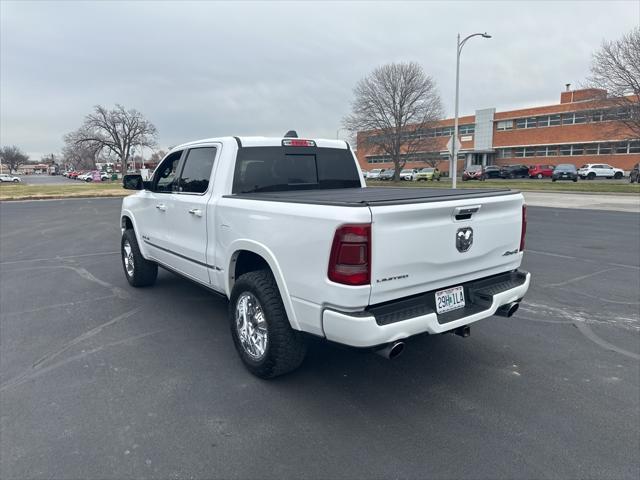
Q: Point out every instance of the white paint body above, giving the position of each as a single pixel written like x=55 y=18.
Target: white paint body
x=414 y=240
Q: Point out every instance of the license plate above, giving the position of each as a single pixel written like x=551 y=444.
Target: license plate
x=449 y=299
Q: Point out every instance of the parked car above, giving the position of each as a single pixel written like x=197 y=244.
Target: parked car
x=237 y=231
x=565 y=171
x=591 y=171
x=541 y=171
x=491 y=171
x=387 y=174
x=375 y=173
x=428 y=174
x=5 y=177
x=514 y=171
x=73 y=175
x=634 y=175
x=408 y=174
x=473 y=172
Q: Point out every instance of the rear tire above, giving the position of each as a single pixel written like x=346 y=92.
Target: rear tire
x=618 y=175
x=539 y=176
x=139 y=271
x=16 y=181
x=284 y=348
x=591 y=176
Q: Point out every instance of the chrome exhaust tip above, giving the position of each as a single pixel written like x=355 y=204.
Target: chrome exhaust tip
x=390 y=350
x=508 y=309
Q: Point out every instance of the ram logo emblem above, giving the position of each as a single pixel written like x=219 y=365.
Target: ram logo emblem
x=464 y=239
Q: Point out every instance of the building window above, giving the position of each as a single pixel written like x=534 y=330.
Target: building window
x=505 y=125
x=597 y=116
x=518 y=152
x=622 y=147
x=605 y=149
x=531 y=122
x=554 y=120
x=530 y=151
x=624 y=114
x=467 y=129
x=521 y=123
x=577 y=150
x=591 y=149
x=580 y=117
x=552 y=150
x=634 y=147
x=541 y=152
x=565 y=149
x=567 y=118
x=543 y=121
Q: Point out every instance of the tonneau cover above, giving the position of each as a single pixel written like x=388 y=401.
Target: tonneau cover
x=363 y=197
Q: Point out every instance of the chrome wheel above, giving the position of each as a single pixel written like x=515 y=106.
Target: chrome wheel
x=127 y=256
x=251 y=326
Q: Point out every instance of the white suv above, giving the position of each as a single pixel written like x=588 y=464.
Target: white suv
x=4 y=177
x=593 y=170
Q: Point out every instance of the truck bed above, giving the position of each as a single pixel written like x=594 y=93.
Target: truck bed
x=373 y=196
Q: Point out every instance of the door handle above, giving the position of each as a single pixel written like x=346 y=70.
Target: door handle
x=162 y=207
x=196 y=211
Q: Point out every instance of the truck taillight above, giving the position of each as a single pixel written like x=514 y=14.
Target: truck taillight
x=523 y=232
x=350 y=259
x=297 y=142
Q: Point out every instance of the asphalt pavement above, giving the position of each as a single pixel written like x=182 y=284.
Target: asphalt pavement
x=99 y=380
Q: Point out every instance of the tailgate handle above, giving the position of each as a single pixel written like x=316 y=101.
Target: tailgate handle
x=465 y=213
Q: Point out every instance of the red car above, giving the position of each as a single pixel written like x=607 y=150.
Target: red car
x=473 y=172
x=540 y=171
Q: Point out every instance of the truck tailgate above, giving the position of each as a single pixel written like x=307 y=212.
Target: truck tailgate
x=414 y=245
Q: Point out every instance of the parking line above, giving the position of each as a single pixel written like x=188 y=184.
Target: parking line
x=588 y=260
x=58 y=258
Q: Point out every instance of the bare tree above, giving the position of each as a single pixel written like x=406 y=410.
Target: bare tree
x=79 y=155
x=13 y=157
x=616 y=69
x=114 y=131
x=392 y=107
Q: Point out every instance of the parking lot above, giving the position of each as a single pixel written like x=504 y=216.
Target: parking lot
x=99 y=380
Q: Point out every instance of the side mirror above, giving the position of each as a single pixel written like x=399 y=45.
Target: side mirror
x=133 y=182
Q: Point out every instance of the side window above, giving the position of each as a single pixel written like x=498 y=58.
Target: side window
x=165 y=175
x=197 y=170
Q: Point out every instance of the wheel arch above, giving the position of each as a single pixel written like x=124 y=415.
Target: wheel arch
x=249 y=256
x=127 y=221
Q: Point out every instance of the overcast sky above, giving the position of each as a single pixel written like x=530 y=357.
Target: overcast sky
x=206 y=69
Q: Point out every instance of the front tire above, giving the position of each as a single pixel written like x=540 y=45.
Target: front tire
x=139 y=271
x=260 y=328
x=591 y=176
x=617 y=176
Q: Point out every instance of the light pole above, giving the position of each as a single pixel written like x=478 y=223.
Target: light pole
x=454 y=142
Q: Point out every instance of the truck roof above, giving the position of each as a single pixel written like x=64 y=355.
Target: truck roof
x=266 y=142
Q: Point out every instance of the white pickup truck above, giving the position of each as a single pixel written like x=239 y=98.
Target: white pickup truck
x=286 y=229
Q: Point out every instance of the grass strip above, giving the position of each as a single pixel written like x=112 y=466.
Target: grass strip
x=585 y=186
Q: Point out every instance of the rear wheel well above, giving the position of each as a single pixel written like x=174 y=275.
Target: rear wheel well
x=246 y=261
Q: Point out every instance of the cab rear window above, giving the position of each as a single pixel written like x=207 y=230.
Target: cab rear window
x=274 y=169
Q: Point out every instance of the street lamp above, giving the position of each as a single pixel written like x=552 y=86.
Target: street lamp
x=454 y=142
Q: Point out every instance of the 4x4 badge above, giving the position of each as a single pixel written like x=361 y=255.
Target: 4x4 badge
x=464 y=239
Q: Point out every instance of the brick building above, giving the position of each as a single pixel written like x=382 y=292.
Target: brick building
x=585 y=127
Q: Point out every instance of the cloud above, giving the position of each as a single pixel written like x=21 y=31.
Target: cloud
x=204 y=69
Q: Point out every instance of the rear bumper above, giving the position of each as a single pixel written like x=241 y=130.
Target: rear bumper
x=406 y=317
